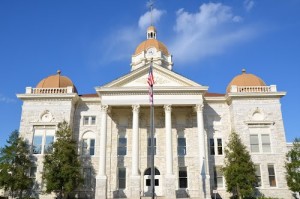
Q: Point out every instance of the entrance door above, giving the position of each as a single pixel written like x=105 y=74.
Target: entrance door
x=147 y=183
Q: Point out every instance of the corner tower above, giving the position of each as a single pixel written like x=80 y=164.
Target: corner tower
x=151 y=48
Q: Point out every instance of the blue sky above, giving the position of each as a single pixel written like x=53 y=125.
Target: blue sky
x=92 y=41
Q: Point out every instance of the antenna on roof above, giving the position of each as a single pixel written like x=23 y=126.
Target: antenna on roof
x=150 y=4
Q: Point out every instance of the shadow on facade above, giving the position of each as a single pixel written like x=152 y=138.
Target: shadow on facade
x=119 y=193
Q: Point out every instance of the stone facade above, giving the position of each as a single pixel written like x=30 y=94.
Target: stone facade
x=192 y=127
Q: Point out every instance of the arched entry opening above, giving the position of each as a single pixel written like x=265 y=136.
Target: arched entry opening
x=147 y=182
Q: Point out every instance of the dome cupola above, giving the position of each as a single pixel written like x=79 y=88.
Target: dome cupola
x=56 y=81
x=245 y=79
x=151 y=48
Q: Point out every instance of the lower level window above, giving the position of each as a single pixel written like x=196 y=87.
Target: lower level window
x=258 y=176
x=183 y=180
x=87 y=177
x=218 y=174
x=272 y=177
x=122 y=178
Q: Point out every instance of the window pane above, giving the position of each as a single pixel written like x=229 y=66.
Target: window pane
x=92 y=147
x=122 y=148
x=212 y=146
x=85 y=120
x=122 y=142
x=272 y=179
x=181 y=142
x=33 y=172
x=149 y=146
x=219 y=181
x=148 y=182
x=218 y=177
x=84 y=146
x=220 y=147
x=48 y=144
x=93 y=120
x=258 y=175
x=181 y=151
x=266 y=146
x=156 y=182
x=37 y=144
x=122 y=178
x=254 y=145
x=121 y=151
x=183 y=181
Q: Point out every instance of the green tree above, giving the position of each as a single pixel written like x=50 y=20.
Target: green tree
x=15 y=164
x=239 y=170
x=293 y=167
x=62 y=168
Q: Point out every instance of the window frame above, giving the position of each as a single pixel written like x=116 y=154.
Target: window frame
x=122 y=178
x=260 y=132
x=183 y=179
x=86 y=149
x=122 y=147
x=89 y=120
x=214 y=146
x=258 y=177
x=218 y=175
x=43 y=132
x=149 y=146
x=181 y=148
x=273 y=176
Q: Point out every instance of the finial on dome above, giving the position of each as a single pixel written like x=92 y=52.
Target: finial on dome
x=58 y=72
x=243 y=71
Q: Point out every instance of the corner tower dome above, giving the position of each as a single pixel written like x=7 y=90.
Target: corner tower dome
x=56 y=81
x=151 y=48
x=245 y=79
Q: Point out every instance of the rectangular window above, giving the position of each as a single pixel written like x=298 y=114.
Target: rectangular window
x=220 y=147
x=272 y=179
x=218 y=174
x=32 y=173
x=88 y=147
x=258 y=175
x=84 y=147
x=149 y=146
x=183 y=180
x=122 y=146
x=87 y=177
x=89 y=120
x=266 y=144
x=212 y=146
x=37 y=144
x=92 y=146
x=93 y=120
x=122 y=178
x=86 y=120
x=48 y=144
x=181 y=147
x=254 y=144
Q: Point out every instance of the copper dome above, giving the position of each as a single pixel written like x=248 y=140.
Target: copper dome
x=151 y=43
x=56 y=81
x=245 y=79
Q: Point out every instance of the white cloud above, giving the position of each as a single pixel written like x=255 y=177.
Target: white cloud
x=6 y=99
x=248 y=5
x=210 y=31
x=145 y=19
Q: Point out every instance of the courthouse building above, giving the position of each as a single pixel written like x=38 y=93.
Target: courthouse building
x=192 y=127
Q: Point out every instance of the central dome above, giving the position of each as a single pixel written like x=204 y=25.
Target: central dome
x=151 y=42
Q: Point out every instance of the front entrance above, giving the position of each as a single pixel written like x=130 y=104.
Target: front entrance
x=147 y=183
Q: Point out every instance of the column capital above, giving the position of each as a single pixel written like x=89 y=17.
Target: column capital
x=199 y=107
x=168 y=107
x=104 y=108
x=136 y=108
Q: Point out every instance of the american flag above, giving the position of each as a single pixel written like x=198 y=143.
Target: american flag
x=150 y=83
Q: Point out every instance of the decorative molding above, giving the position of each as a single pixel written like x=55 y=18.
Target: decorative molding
x=199 y=107
x=104 y=108
x=136 y=108
x=168 y=107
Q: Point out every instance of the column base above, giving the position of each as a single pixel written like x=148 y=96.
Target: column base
x=135 y=187
x=101 y=187
x=170 y=187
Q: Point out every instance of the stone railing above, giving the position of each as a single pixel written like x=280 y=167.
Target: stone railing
x=30 y=90
x=253 y=89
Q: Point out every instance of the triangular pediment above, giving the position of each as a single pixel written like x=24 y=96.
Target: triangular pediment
x=162 y=78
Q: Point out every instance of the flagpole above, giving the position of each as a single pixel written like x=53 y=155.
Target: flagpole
x=152 y=131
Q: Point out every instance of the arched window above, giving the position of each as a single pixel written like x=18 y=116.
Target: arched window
x=148 y=172
x=88 y=143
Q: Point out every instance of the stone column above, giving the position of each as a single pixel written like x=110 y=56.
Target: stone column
x=135 y=140
x=101 y=179
x=170 y=177
x=204 y=177
x=135 y=177
x=169 y=151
